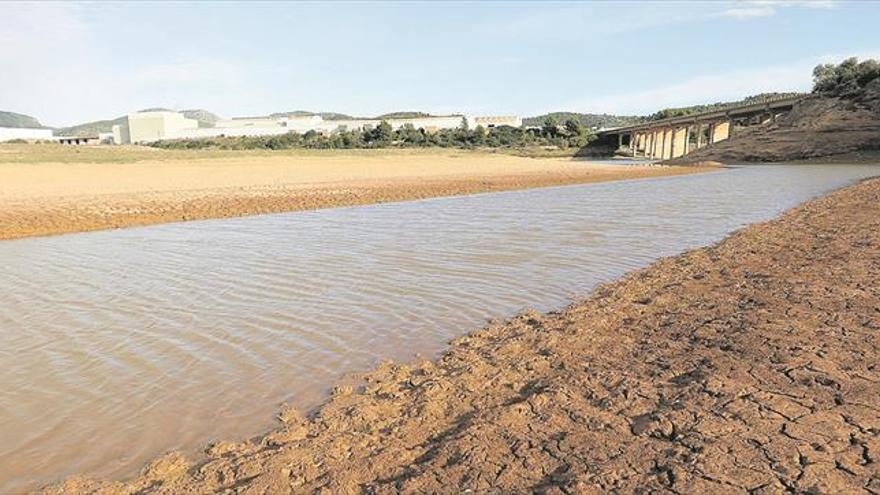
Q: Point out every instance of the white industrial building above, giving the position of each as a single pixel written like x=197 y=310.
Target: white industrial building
x=146 y=127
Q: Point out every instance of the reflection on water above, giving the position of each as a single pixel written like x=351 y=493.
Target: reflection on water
x=117 y=346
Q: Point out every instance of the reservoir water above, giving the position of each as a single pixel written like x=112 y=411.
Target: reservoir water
x=117 y=346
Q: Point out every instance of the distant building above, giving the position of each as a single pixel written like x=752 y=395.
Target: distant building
x=27 y=134
x=146 y=127
x=77 y=140
x=495 y=121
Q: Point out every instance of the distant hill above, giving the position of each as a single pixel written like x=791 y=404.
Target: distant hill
x=588 y=120
x=12 y=119
x=342 y=116
x=304 y=113
x=205 y=118
x=404 y=115
x=90 y=128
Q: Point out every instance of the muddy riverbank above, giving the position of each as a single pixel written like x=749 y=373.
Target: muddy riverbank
x=747 y=365
x=46 y=190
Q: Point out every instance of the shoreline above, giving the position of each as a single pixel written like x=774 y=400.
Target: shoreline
x=744 y=365
x=50 y=198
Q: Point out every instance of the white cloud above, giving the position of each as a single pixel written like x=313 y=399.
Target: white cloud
x=750 y=9
x=748 y=12
x=810 y=4
x=711 y=88
x=580 y=20
x=704 y=89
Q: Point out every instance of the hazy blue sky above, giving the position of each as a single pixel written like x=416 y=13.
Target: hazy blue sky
x=68 y=62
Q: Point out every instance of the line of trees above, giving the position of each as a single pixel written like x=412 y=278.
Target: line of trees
x=570 y=134
x=846 y=79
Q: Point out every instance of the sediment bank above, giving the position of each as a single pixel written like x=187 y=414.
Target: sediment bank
x=750 y=365
x=73 y=195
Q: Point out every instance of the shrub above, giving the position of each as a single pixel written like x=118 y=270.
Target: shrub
x=848 y=78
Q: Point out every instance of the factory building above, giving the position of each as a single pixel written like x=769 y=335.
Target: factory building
x=146 y=127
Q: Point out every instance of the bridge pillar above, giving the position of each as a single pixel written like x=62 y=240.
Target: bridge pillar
x=652 y=149
x=720 y=131
x=661 y=142
x=679 y=142
x=661 y=151
x=667 y=143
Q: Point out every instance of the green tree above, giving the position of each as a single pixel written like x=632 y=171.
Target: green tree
x=847 y=78
x=573 y=127
x=480 y=135
x=551 y=127
x=577 y=133
x=409 y=135
x=384 y=133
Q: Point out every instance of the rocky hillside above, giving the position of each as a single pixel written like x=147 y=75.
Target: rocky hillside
x=818 y=126
x=19 y=120
x=841 y=117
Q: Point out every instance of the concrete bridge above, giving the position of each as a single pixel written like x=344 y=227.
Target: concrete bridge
x=677 y=136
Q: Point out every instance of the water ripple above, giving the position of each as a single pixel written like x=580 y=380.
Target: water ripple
x=118 y=346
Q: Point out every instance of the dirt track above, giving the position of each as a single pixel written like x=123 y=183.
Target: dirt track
x=44 y=198
x=749 y=366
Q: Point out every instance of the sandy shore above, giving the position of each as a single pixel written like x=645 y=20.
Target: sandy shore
x=750 y=365
x=57 y=193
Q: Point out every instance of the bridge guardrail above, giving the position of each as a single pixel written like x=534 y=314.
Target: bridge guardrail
x=705 y=115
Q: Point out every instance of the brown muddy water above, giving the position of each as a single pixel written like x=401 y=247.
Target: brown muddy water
x=117 y=346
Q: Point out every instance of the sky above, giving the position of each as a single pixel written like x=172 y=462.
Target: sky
x=68 y=62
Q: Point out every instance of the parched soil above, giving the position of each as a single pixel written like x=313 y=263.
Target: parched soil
x=749 y=366
x=55 y=197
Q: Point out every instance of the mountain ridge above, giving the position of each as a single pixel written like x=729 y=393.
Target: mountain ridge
x=19 y=120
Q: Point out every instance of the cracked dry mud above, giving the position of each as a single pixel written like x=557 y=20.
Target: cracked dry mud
x=748 y=366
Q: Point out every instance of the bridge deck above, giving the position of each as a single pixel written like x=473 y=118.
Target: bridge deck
x=737 y=111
